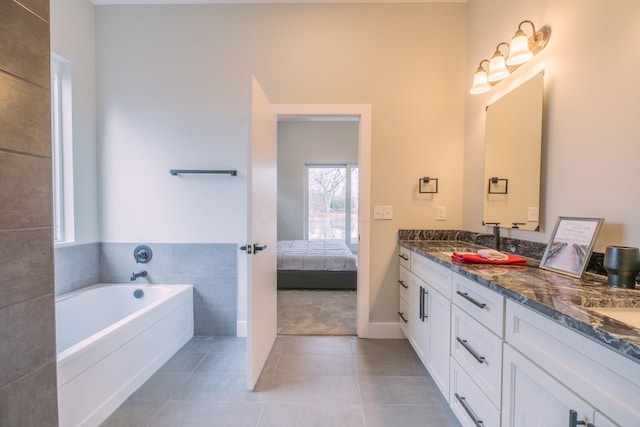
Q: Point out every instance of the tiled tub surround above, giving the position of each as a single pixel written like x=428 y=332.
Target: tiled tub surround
x=76 y=267
x=210 y=267
x=564 y=299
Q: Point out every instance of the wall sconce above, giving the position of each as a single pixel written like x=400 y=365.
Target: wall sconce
x=520 y=50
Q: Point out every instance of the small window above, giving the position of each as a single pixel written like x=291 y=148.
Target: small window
x=332 y=203
x=61 y=150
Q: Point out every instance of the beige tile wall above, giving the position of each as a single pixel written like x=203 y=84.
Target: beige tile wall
x=27 y=319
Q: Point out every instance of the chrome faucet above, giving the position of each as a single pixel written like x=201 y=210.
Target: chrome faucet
x=495 y=235
x=141 y=273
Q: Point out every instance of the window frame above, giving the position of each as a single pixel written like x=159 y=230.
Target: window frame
x=348 y=167
x=62 y=151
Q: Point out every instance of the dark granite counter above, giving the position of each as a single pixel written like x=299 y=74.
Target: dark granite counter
x=562 y=298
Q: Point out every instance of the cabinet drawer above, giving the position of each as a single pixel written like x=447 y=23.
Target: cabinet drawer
x=484 y=305
x=405 y=257
x=403 y=283
x=433 y=274
x=479 y=353
x=468 y=402
x=403 y=315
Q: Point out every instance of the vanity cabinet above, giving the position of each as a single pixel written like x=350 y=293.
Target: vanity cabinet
x=551 y=372
x=477 y=333
x=428 y=324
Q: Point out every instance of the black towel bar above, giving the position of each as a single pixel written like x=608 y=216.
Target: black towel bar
x=184 y=171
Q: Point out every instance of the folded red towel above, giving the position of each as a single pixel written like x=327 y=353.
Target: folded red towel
x=477 y=259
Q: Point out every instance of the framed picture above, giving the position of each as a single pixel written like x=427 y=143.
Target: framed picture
x=571 y=245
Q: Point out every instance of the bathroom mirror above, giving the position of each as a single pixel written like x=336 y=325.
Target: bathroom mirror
x=513 y=146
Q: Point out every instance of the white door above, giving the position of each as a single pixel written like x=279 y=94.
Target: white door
x=261 y=233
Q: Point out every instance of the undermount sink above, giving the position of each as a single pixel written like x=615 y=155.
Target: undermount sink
x=628 y=315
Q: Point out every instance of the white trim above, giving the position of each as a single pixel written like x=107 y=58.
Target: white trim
x=385 y=330
x=363 y=113
x=241 y=328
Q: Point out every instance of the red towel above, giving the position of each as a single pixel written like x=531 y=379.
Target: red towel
x=477 y=259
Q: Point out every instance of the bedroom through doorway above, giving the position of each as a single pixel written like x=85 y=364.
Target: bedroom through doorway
x=318 y=183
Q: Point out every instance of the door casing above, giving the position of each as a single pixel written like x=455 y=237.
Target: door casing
x=361 y=112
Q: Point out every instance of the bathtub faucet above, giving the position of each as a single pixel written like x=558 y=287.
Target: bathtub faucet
x=141 y=273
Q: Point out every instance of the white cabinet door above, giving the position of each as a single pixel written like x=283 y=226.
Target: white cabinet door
x=418 y=326
x=533 y=398
x=438 y=314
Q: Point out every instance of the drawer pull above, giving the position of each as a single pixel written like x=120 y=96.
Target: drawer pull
x=401 y=314
x=404 y=257
x=403 y=285
x=471 y=350
x=573 y=420
x=423 y=303
x=472 y=300
x=469 y=411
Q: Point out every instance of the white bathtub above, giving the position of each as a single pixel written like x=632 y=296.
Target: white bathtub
x=110 y=342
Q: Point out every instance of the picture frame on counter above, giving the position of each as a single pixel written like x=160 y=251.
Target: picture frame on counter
x=571 y=245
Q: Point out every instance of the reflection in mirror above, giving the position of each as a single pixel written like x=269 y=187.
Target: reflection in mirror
x=513 y=145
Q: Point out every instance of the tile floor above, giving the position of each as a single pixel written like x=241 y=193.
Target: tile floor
x=308 y=381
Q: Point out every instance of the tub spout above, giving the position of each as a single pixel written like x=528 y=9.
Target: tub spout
x=141 y=273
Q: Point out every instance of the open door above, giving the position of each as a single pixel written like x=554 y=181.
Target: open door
x=261 y=245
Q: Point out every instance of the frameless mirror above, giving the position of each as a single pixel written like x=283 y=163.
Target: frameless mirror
x=513 y=146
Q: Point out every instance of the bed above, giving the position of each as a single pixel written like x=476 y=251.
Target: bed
x=316 y=264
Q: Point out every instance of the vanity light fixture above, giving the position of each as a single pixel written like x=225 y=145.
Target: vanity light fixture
x=521 y=49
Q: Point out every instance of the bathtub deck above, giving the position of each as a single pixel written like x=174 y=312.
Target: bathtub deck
x=309 y=380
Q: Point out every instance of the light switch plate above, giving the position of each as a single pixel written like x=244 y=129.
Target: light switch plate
x=533 y=214
x=382 y=212
x=441 y=213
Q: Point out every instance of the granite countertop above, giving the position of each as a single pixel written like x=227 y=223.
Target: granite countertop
x=565 y=299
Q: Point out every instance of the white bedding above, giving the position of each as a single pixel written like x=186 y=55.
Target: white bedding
x=315 y=255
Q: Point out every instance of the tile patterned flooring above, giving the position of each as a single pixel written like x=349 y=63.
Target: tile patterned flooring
x=309 y=381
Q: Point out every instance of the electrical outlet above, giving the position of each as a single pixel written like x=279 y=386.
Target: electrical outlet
x=533 y=214
x=441 y=213
x=382 y=212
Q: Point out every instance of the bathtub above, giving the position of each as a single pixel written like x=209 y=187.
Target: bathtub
x=109 y=342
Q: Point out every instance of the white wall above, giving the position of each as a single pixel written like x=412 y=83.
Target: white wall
x=592 y=104
x=301 y=143
x=173 y=89
x=73 y=37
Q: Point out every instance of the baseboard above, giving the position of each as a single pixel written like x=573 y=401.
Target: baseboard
x=384 y=330
x=241 y=328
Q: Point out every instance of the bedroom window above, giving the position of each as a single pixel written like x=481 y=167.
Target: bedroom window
x=332 y=203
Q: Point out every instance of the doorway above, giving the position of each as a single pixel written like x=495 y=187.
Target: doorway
x=361 y=114
x=317 y=225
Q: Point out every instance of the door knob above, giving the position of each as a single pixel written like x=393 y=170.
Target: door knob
x=246 y=248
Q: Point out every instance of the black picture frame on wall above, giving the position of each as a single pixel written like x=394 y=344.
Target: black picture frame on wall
x=570 y=245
